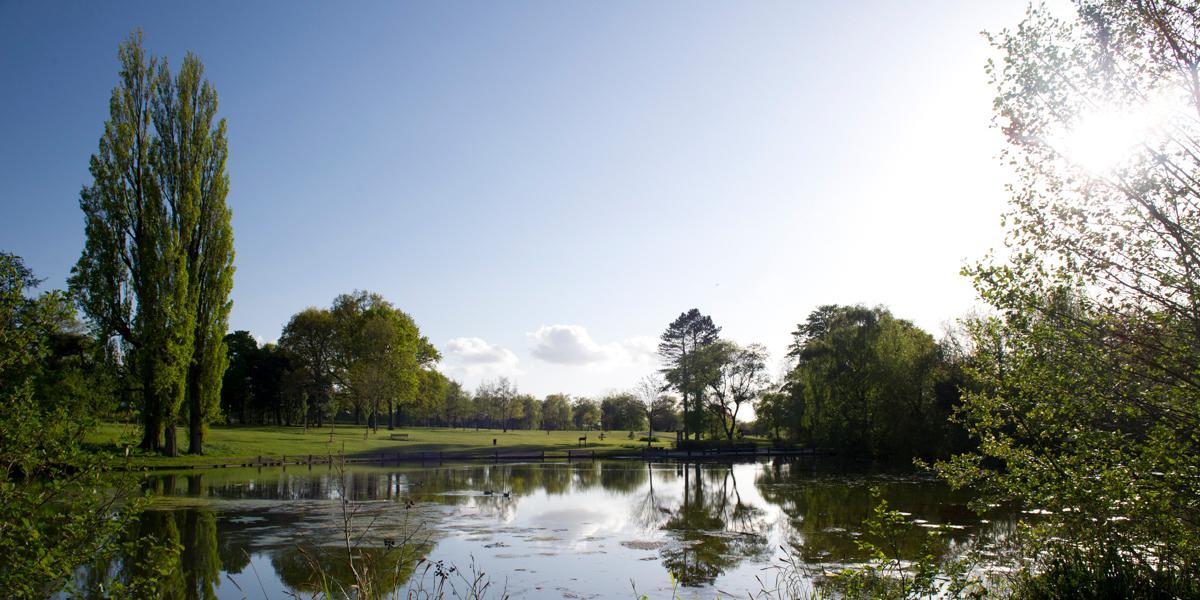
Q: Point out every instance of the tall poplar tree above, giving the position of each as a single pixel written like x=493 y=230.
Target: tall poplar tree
x=157 y=265
x=191 y=173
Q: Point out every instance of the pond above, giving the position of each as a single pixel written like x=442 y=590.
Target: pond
x=577 y=530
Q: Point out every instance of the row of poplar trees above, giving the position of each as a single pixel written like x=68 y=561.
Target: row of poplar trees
x=157 y=267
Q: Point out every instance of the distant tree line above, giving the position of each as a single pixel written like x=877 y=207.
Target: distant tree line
x=364 y=361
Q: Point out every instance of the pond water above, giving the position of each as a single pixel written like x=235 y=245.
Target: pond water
x=553 y=530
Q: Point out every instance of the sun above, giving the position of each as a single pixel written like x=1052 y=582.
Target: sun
x=1103 y=139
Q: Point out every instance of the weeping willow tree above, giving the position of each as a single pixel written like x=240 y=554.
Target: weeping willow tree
x=865 y=382
x=1087 y=396
x=157 y=266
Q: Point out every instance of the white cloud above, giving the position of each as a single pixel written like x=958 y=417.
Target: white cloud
x=642 y=349
x=573 y=345
x=476 y=358
x=567 y=345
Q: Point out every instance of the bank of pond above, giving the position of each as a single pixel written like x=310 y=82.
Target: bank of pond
x=556 y=529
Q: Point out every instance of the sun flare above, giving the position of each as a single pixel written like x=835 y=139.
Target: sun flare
x=1104 y=139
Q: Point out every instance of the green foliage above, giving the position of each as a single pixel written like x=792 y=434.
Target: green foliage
x=621 y=411
x=237 y=389
x=456 y=404
x=57 y=507
x=1085 y=396
x=887 y=574
x=379 y=353
x=738 y=377
x=1088 y=575
x=310 y=337
x=363 y=354
x=892 y=569
x=556 y=412
x=685 y=368
x=867 y=383
x=531 y=412
x=157 y=265
x=585 y=413
x=664 y=414
x=496 y=403
x=431 y=396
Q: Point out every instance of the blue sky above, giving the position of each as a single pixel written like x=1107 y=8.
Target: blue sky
x=545 y=185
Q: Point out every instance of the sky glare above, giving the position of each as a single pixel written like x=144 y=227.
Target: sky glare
x=544 y=186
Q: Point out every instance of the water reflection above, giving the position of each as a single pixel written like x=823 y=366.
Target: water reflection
x=546 y=529
x=169 y=554
x=823 y=508
x=715 y=527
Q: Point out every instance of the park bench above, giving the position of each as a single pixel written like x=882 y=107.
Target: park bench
x=399 y=436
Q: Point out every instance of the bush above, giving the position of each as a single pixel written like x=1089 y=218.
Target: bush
x=1103 y=575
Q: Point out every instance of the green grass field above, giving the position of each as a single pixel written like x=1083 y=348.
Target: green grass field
x=229 y=444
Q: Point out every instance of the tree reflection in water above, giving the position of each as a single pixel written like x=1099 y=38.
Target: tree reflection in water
x=169 y=554
x=701 y=520
x=825 y=507
x=715 y=529
x=318 y=569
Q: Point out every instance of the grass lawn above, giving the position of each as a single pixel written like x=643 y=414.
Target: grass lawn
x=236 y=442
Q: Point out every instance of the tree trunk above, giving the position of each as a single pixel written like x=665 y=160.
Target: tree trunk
x=195 y=418
x=170 y=447
x=151 y=423
x=195 y=434
x=391 y=416
x=685 y=415
x=150 y=437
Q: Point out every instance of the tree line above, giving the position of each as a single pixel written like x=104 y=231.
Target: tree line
x=309 y=379
x=860 y=381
